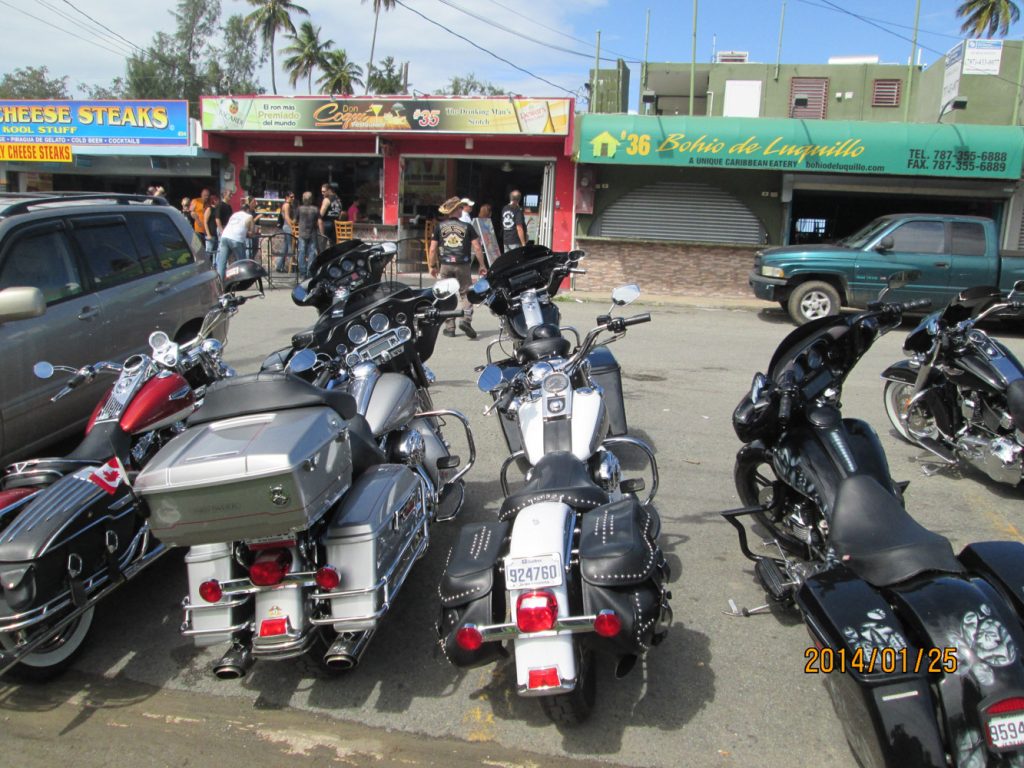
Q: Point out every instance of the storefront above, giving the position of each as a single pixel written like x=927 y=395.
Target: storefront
x=696 y=195
x=112 y=146
x=401 y=158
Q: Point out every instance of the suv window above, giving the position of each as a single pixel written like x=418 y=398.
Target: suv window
x=109 y=251
x=968 y=238
x=920 y=237
x=42 y=261
x=166 y=240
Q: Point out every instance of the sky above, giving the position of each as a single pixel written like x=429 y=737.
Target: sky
x=545 y=47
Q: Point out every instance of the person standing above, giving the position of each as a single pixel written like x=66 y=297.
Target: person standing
x=466 y=213
x=233 y=238
x=513 y=223
x=211 y=225
x=452 y=246
x=186 y=209
x=353 y=210
x=198 y=209
x=288 y=225
x=330 y=212
x=306 y=224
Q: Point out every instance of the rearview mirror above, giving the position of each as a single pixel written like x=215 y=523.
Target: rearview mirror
x=21 y=303
x=757 y=387
x=490 y=378
x=625 y=294
x=43 y=369
x=576 y=255
x=444 y=288
x=299 y=295
x=885 y=244
x=302 y=361
x=1018 y=288
x=479 y=291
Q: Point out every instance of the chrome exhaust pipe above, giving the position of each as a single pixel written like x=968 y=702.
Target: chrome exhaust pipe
x=235 y=663
x=346 y=651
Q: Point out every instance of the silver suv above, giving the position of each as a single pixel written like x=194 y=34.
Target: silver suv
x=111 y=269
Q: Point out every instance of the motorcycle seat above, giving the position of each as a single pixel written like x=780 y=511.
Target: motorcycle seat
x=1015 y=402
x=103 y=441
x=558 y=476
x=877 y=539
x=267 y=391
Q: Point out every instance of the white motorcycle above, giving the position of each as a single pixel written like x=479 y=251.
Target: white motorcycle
x=572 y=567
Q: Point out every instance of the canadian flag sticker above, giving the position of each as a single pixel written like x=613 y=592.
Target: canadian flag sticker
x=109 y=476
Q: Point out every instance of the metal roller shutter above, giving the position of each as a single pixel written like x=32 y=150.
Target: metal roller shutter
x=672 y=210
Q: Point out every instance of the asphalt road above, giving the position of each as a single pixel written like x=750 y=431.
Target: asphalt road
x=720 y=691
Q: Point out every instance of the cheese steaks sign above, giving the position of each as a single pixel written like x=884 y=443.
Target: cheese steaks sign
x=822 y=146
x=105 y=123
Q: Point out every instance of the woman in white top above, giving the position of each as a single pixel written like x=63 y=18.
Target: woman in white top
x=233 y=238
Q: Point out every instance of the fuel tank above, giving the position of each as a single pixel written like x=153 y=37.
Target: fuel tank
x=163 y=400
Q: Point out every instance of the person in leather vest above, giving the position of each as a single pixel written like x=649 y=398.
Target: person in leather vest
x=452 y=247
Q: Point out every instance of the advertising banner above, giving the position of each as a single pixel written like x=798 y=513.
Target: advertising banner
x=526 y=117
x=35 y=153
x=982 y=57
x=820 y=146
x=94 y=122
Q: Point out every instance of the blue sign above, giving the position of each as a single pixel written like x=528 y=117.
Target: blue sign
x=96 y=123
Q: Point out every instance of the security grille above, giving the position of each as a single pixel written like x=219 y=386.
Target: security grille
x=687 y=211
x=886 y=93
x=815 y=90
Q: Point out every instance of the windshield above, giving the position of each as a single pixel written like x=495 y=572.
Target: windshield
x=865 y=235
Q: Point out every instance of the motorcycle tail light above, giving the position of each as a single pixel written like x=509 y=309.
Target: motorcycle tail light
x=211 y=591
x=536 y=611
x=544 y=678
x=607 y=624
x=328 y=578
x=468 y=638
x=1006 y=706
x=270 y=567
x=273 y=627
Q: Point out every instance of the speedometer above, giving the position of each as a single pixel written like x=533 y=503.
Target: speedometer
x=555 y=383
x=334 y=273
x=357 y=334
x=379 y=322
x=347 y=265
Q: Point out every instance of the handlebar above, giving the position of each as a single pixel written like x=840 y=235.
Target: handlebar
x=786 y=389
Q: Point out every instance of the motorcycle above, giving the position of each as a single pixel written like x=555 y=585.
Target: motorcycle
x=305 y=492
x=922 y=648
x=572 y=566
x=71 y=529
x=960 y=396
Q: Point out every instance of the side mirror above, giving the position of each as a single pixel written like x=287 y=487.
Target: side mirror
x=21 y=304
x=625 y=294
x=490 y=378
x=479 y=291
x=43 y=369
x=885 y=244
x=1018 y=288
x=576 y=255
x=302 y=361
x=300 y=295
x=757 y=387
x=444 y=288
x=389 y=248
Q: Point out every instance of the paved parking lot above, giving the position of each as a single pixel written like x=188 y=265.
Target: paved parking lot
x=720 y=691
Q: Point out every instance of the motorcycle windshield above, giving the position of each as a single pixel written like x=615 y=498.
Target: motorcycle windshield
x=824 y=350
x=970 y=302
x=517 y=257
x=332 y=254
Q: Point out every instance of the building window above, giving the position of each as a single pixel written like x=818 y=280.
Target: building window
x=815 y=90
x=886 y=93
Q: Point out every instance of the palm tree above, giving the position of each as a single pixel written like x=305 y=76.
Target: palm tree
x=341 y=75
x=988 y=17
x=378 y=5
x=383 y=5
x=270 y=17
x=308 y=52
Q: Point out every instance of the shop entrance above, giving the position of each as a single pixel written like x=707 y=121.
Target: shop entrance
x=353 y=178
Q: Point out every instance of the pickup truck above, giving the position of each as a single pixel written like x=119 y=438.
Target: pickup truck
x=951 y=253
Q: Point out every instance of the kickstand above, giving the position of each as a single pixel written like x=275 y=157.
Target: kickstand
x=735 y=610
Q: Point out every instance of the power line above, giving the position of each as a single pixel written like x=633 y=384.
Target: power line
x=104 y=26
x=121 y=47
x=536 y=23
x=882 y=21
x=51 y=25
x=481 y=48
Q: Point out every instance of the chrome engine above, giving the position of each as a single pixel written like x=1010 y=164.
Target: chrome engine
x=999 y=457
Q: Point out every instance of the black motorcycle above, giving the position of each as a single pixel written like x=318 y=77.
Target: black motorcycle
x=924 y=647
x=960 y=395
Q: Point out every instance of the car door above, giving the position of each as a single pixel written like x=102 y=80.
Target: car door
x=972 y=264
x=920 y=244
x=177 y=280
x=68 y=333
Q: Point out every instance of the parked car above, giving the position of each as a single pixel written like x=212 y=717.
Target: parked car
x=112 y=269
x=951 y=253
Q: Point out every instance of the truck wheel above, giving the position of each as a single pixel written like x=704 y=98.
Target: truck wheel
x=813 y=300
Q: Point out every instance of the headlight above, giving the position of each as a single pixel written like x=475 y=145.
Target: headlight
x=773 y=272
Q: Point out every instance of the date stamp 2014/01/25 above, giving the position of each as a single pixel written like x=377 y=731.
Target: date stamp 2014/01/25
x=887 y=660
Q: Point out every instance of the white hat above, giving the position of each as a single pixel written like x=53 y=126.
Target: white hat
x=466 y=201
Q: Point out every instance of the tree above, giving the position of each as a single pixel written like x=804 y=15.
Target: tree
x=308 y=52
x=269 y=18
x=341 y=75
x=470 y=86
x=117 y=89
x=386 y=79
x=33 y=83
x=986 y=18
x=241 y=55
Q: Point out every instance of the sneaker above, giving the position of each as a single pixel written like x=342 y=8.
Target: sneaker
x=448 y=332
x=467 y=328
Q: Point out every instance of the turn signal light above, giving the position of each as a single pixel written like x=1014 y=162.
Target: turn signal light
x=468 y=638
x=273 y=627
x=211 y=591
x=544 y=678
x=607 y=624
x=536 y=611
x=328 y=578
x=270 y=567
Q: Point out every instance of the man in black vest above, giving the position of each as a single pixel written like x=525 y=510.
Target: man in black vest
x=452 y=246
x=513 y=223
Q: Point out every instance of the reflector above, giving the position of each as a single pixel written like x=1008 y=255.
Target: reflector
x=607 y=624
x=468 y=638
x=544 y=678
x=1014 y=704
x=272 y=627
x=328 y=578
x=210 y=591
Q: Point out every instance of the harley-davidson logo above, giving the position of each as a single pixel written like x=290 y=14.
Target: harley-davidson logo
x=275 y=612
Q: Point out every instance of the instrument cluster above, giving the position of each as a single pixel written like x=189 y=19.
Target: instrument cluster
x=350 y=272
x=374 y=335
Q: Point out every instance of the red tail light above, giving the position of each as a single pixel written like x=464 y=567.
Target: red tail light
x=1006 y=706
x=607 y=624
x=544 y=678
x=468 y=638
x=536 y=611
x=328 y=578
x=211 y=591
x=270 y=567
x=273 y=627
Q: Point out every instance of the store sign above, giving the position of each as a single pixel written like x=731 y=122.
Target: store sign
x=19 y=152
x=527 y=117
x=94 y=122
x=983 y=57
x=951 y=74
x=819 y=146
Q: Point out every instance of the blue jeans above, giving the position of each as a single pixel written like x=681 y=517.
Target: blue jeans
x=286 y=249
x=236 y=249
x=307 y=252
x=210 y=244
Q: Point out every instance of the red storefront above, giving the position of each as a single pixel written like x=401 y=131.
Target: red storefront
x=401 y=157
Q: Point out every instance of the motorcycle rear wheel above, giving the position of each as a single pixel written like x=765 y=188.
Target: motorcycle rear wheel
x=55 y=656
x=573 y=708
x=756 y=484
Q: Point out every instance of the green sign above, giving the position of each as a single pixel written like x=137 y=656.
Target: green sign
x=820 y=146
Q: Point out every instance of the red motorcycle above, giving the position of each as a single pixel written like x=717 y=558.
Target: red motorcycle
x=71 y=530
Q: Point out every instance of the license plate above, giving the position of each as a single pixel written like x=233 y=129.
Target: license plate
x=533 y=572
x=1006 y=731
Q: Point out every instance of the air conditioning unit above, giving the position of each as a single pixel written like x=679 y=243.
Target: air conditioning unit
x=732 y=57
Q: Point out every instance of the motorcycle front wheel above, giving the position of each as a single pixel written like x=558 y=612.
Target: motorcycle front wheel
x=54 y=656
x=757 y=484
x=896 y=396
x=573 y=708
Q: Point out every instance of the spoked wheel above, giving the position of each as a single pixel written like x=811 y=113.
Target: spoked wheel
x=897 y=396
x=570 y=709
x=757 y=485
x=54 y=656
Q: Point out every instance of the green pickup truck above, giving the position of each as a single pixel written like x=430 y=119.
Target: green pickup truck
x=951 y=253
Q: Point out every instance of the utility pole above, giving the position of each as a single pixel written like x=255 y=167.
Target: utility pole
x=597 y=66
x=782 y=25
x=373 y=44
x=1020 y=78
x=910 y=65
x=643 y=66
x=693 y=57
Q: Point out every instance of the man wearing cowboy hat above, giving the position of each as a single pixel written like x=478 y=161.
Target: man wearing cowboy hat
x=452 y=246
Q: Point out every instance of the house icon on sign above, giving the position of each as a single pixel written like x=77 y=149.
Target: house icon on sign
x=604 y=145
